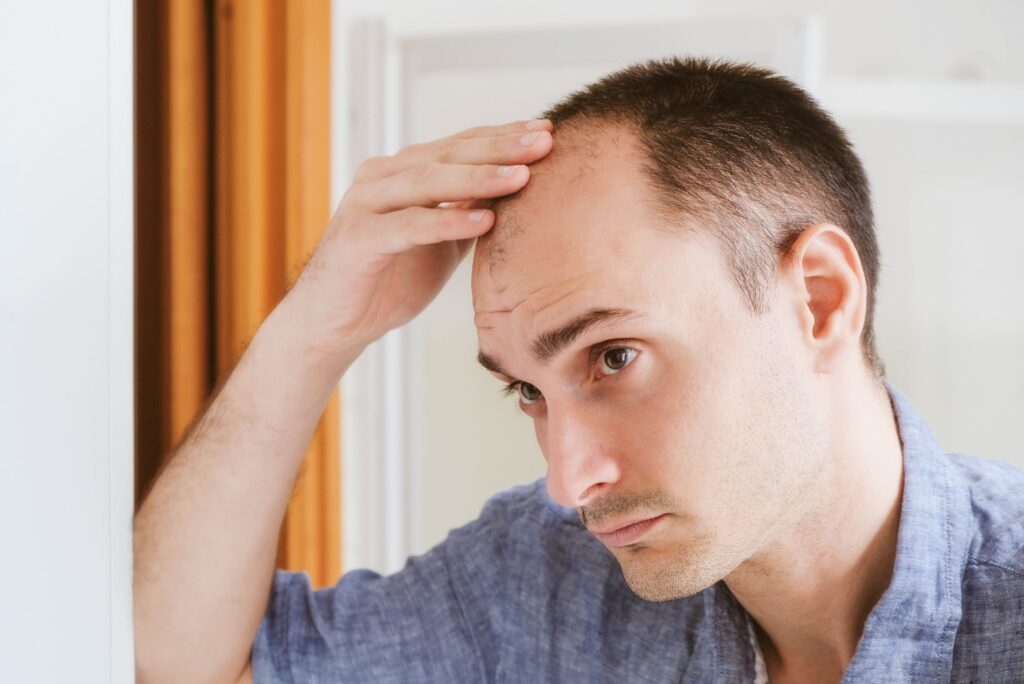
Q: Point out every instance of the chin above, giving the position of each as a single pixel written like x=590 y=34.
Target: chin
x=658 y=577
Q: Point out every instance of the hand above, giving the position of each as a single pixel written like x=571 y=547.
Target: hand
x=389 y=248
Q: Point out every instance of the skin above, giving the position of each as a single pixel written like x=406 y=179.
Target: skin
x=205 y=537
x=763 y=439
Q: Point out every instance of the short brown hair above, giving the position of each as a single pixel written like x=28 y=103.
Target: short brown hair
x=748 y=153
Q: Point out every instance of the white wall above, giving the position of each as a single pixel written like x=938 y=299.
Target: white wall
x=65 y=341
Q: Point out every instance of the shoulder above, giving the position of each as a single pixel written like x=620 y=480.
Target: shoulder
x=987 y=646
x=996 y=490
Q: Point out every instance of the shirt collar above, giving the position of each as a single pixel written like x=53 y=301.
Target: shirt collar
x=912 y=629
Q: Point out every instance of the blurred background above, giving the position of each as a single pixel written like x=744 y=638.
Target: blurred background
x=168 y=166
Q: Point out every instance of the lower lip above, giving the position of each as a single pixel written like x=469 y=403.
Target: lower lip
x=630 y=533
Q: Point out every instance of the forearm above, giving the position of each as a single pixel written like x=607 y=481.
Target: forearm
x=206 y=535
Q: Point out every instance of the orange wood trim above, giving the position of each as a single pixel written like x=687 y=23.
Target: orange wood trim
x=273 y=192
x=250 y=170
x=150 y=396
x=171 y=227
x=313 y=527
x=186 y=230
x=225 y=131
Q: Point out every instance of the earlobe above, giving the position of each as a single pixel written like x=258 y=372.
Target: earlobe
x=833 y=292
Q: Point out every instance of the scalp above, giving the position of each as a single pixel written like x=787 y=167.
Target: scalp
x=577 y=150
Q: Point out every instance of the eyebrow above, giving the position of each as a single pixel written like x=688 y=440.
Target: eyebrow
x=549 y=344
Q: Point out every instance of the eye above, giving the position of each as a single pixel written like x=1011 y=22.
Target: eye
x=528 y=394
x=613 y=360
x=616 y=358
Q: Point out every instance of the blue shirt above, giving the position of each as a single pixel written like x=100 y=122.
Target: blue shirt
x=526 y=594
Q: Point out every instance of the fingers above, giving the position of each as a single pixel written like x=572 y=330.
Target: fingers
x=516 y=147
x=428 y=184
x=399 y=231
x=520 y=147
x=503 y=129
x=405 y=191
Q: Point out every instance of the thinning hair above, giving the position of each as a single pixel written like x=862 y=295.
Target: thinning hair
x=743 y=152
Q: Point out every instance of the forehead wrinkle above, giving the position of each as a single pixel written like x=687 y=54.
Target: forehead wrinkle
x=504 y=308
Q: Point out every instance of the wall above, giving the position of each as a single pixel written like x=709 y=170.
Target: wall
x=65 y=341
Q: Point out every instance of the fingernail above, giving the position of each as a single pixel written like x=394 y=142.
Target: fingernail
x=537 y=123
x=529 y=138
x=476 y=215
x=507 y=170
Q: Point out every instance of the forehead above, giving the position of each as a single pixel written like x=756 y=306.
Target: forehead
x=585 y=212
x=586 y=234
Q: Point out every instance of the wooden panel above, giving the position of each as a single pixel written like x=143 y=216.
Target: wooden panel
x=186 y=228
x=173 y=374
x=250 y=170
x=150 y=78
x=273 y=175
x=313 y=527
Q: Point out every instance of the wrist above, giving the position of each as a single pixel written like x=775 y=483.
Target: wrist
x=289 y=332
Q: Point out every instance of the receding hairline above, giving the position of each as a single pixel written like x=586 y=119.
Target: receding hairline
x=576 y=144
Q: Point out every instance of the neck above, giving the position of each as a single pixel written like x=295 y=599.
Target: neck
x=810 y=590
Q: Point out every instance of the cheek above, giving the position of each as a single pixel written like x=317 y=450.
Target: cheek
x=768 y=439
x=705 y=426
x=674 y=435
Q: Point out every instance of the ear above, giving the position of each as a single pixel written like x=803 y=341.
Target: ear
x=824 y=269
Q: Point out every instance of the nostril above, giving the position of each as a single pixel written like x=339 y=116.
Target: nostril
x=587 y=494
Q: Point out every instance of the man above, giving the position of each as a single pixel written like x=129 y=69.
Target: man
x=682 y=298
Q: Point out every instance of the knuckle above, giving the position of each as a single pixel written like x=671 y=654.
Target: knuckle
x=351 y=198
x=411 y=149
x=450 y=151
x=444 y=220
x=407 y=214
x=346 y=225
x=427 y=171
x=394 y=218
x=368 y=168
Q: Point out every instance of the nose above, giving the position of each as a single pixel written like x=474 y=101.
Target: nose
x=579 y=447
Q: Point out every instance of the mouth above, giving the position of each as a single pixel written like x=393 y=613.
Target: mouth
x=630 y=533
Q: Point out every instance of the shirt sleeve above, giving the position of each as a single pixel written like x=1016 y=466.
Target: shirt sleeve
x=432 y=621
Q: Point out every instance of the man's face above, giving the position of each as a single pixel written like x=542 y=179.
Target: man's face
x=684 y=405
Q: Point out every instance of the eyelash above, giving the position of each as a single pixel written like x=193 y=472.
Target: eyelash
x=513 y=387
